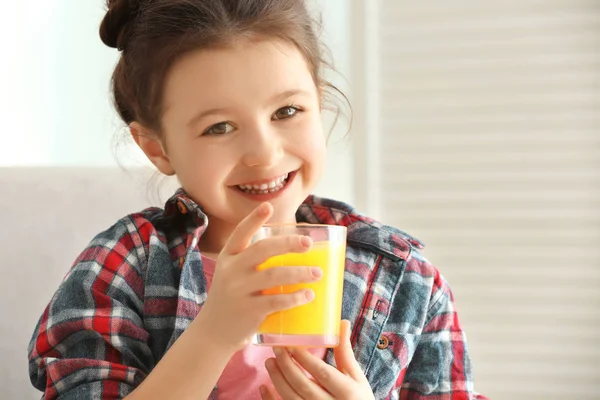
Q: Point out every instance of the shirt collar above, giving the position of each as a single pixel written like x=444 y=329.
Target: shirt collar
x=363 y=231
x=182 y=204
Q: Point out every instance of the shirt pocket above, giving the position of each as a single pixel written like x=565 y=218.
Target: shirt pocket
x=390 y=360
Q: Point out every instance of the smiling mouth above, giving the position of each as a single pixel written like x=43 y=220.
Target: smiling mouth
x=273 y=186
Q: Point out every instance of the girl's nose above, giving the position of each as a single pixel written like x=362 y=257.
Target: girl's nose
x=262 y=148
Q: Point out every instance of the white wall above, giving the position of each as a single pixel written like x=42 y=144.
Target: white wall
x=55 y=106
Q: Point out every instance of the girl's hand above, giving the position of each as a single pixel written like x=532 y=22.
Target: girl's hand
x=235 y=306
x=347 y=382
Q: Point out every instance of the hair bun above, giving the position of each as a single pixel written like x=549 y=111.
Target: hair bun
x=116 y=26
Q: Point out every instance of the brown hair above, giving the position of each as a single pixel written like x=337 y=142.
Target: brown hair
x=153 y=34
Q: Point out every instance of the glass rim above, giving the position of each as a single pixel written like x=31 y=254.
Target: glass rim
x=302 y=225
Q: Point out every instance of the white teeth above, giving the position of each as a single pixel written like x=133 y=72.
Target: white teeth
x=265 y=188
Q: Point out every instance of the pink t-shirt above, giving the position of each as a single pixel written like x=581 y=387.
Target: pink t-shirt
x=246 y=371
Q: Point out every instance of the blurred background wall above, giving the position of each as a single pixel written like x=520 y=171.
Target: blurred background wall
x=55 y=107
x=480 y=134
x=476 y=128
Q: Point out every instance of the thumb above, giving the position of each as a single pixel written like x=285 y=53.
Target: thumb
x=344 y=355
x=266 y=393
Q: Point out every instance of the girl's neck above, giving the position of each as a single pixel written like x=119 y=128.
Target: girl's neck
x=214 y=238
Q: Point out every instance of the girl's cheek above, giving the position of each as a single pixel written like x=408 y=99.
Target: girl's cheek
x=315 y=138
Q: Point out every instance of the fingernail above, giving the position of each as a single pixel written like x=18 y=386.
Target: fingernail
x=316 y=272
x=305 y=241
x=263 y=391
x=277 y=351
x=310 y=295
x=269 y=363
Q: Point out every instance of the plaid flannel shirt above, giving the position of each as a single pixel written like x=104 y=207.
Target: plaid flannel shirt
x=138 y=285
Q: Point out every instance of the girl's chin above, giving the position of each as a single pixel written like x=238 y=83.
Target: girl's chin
x=282 y=220
x=283 y=216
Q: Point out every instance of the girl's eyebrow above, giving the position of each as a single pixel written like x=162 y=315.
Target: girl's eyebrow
x=204 y=114
x=279 y=97
x=288 y=94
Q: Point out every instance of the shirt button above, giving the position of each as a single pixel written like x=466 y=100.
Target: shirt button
x=383 y=343
x=182 y=208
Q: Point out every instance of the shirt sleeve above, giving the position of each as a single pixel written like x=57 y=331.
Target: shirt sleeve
x=90 y=341
x=441 y=366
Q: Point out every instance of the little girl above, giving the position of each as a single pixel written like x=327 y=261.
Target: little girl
x=227 y=95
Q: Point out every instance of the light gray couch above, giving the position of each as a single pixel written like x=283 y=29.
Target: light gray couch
x=48 y=216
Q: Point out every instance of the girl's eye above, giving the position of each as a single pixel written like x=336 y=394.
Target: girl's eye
x=286 y=112
x=219 y=129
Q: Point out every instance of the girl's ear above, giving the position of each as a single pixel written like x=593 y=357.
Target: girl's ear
x=152 y=146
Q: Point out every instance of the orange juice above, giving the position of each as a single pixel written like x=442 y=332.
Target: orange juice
x=321 y=317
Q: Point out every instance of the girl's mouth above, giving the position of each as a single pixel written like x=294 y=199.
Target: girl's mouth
x=267 y=188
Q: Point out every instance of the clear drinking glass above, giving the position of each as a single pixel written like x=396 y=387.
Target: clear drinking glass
x=316 y=324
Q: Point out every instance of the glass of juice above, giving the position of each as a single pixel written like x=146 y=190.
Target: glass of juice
x=316 y=324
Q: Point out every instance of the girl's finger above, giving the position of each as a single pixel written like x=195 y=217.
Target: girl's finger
x=344 y=355
x=334 y=381
x=279 y=302
x=264 y=249
x=281 y=385
x=296 y=378
x=243 y=232
x=273 y=278
x=266 y=393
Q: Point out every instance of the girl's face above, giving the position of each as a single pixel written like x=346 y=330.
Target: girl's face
x=242 y=125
